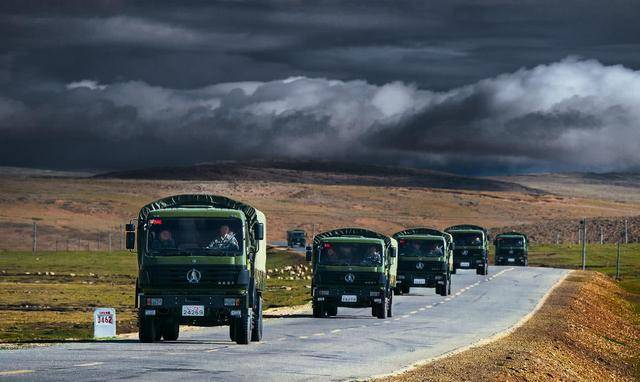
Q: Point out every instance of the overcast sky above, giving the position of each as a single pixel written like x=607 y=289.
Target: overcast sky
x=485 y=87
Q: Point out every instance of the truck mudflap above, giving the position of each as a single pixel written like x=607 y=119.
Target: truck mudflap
x=355 y=298
x=426 y=280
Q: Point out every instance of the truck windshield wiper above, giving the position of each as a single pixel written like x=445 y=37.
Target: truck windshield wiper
x=172 y=252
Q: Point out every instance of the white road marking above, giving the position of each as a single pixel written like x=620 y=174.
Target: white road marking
x=211 y=350
x=15 y=372
x=89 y=364
x=303 y=337
x=421 y=309
x=413 y=312
x=318 y=334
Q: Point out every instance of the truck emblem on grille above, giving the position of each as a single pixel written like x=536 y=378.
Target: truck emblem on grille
x=349 y=277
x=419 y=265
x=193 y=276
x=465 y=252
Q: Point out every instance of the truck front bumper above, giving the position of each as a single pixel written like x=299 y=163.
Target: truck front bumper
x=469 y=263
x=348 y=297
x=217 y=308
x=421 y=279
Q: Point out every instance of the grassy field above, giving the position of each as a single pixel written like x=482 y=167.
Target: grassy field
x=51 y=295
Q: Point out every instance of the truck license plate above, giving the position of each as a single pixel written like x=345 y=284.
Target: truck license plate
x=464 y=264
x=419 y=281
x=511 y=260
x=349 y=298
x=193 y=310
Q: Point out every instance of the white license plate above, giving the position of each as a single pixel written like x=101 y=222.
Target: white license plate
x=464 y=264
x=419 y=281
x=511 y=260
x=193 y=310
x=349 y=298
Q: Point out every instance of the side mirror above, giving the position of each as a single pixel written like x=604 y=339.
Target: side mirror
x=259 y=231
x=309 y=253
x=130 y=236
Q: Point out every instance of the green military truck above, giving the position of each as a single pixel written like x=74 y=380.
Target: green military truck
x=425 y=259
x=201 y=261
x=512 y=248
x=471 y=248
x=353 y=268
x=296 y=237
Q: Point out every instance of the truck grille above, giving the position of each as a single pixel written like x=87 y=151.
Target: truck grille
x=359 y=278
x=411 y=266
x=176 y=276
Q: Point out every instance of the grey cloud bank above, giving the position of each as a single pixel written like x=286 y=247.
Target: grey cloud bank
x=569 y=115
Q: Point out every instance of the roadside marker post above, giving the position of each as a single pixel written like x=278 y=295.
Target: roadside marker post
x=618 y=262
x=104 y=323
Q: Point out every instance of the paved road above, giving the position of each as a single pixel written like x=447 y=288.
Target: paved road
x=352 y=345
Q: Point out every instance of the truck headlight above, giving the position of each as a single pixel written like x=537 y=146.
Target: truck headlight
x=374 y=294
x=231 y=302
x=154 y=301
x=400 y=277
x=322 y=292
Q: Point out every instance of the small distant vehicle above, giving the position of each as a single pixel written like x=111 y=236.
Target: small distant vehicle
x=296 y=237
x=471 y=248
x=512 y=248
x=201 y=262
x=353 y=268
x=425 y=259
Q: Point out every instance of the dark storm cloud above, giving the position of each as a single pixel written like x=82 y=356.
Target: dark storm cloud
x=114 y=84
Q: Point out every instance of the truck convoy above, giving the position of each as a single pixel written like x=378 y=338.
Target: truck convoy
x=511 y=249
x=201 y=261
x=353 y=268
x=425 y=260
x=471 y=248
x=296 y=237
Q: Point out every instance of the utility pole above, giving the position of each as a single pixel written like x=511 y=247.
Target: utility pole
x=34 y=247
x=618 y=262
x=584 y=244
x=626 y=231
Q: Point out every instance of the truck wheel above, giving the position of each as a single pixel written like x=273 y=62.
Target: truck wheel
x=449 y=285
x=232 y=329
x=381 y=309
x=256 y=332
x=406 y=289
x=486 y=269
x=398 y=290
x=390 y=307
x=453 y=270
x=332 y=311
x=146 y=329
x=243 y=327
x=318 y=311
x=170 y=330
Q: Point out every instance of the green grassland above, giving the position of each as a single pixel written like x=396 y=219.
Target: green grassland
x=51 y=295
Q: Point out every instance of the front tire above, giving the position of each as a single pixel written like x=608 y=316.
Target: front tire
x=256 y=331
x=332 y=310
x=390 y=307
x=243 y=327
x=170 y=331
x=146 y=329
x=381 y=309
x=318 y=310
x=453 y=271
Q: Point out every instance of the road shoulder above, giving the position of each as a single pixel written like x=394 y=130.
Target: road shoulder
x=585 y=330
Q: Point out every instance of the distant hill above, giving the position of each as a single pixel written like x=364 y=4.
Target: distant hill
x=321 y=172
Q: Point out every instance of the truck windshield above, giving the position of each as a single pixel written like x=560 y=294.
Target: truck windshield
x=194 y=236
x=411 y=247
x=510 y=242
x=297 y=234
x=467 y=239
x=351 y=254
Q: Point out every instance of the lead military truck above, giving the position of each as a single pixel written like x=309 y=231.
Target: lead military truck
x=471 y=248
x=353 y=268
x=511 y=248
x=425 y=260
x=201 y=261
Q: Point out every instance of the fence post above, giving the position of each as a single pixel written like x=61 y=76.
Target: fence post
x=584 y=244
x=109 y=242
x=601 y=235
x=34 y=247
x=626 y=231
x=618 y=262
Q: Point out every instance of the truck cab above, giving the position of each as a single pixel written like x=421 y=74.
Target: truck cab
x=296 y=237
x=201 y=262
x=353 y=268
x=425 y=260
x=471 y=248
x=512 y=248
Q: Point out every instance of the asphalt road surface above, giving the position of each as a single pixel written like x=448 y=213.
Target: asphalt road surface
x=351 y=345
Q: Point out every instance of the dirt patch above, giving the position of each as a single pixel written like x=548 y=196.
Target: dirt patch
x=586 y=331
